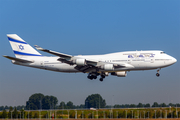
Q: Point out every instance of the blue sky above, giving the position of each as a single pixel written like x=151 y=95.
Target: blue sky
x=91 y=27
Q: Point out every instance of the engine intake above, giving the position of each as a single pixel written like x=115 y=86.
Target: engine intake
x=119 y=74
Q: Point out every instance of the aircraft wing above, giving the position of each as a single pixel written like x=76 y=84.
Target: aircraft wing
x=86 y=68
x=90 y=65
x=65 y=56
x=94 y=65
x=18 y=59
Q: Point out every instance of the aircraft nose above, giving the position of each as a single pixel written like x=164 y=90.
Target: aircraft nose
x=174 y=60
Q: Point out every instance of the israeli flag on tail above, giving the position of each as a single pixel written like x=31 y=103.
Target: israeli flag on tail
x=21 y=48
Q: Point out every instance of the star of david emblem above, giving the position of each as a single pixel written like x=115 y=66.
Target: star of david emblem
x=21 y=47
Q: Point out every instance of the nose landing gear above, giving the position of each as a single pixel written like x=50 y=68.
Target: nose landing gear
x=157 y=74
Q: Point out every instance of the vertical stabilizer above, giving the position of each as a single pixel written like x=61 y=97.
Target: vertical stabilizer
x=20 y=47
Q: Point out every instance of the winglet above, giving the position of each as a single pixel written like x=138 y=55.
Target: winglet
x=38 y=47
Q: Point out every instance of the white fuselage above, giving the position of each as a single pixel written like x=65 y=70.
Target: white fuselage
x=137 y=60
x=116 y=64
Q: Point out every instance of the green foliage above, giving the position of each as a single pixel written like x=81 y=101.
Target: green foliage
x=114 y=114
x=117 y=106
x=70 y=105
x=90 y=115
x=132 y=106
x=45 y=115
x=178 y=114
x=0 y=114
x=85 y=114
x=151 y=114
x=10 y=110
x=93 y=113
x=147 y=105
x=15 y=113
x=72 y=114
x=81 y=115
x=30 y=115
x=1 y=107
x=49 y=102
x=140 y=105
x=163 y=105
x=129 y=115
x=39 y=101
x=4 y=114
x=155 y=104
x=34 y=101
x=123 y=114
x=36 y=115
x=62 y=105
x=95 y=101
x=23 y=113
x=174 y=114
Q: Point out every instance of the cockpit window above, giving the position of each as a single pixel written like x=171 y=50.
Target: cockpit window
x=163 y=53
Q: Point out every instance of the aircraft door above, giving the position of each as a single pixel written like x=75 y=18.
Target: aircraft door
x=41 y=64
x=129 y=61
x=152 y=60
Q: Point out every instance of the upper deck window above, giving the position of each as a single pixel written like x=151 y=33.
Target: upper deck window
x=163 y=53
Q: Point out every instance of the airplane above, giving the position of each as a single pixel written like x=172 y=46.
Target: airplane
x=116 y=64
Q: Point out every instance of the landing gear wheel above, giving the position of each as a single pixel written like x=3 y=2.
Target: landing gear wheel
x=101 y=79
x=102 y=76
x=90 y=77
x=157 y=74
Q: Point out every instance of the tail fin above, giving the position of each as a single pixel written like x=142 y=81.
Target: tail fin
x=20 y=47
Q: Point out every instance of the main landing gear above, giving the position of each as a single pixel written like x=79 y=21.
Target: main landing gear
x=102 y=77
x=157 y=74
x=92 y=76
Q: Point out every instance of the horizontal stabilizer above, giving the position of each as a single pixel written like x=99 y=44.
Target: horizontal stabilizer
x=18 y=59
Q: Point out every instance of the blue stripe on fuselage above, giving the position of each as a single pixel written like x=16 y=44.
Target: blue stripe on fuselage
x=13 y=40
x=22 y=53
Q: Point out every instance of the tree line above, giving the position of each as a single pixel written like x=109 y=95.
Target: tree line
x=99 y=113
x=39 y=101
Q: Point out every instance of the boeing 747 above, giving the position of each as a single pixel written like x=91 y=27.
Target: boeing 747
x=116 y=64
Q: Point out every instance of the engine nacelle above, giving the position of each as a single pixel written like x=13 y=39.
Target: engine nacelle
x=107 y=67
x=119 y=74
x=80 y=62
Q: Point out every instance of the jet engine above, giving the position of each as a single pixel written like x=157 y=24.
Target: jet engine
x=119 y=74
x=80 y=62
x=107 y=67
